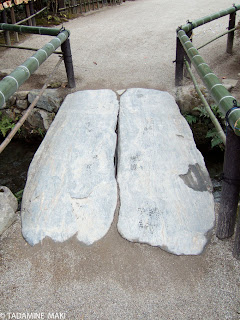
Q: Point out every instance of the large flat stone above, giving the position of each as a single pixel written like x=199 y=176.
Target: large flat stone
x=165 y=190
x=71 y=187
x=8 y=207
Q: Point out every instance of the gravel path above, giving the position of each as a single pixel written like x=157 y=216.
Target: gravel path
x=132 y=45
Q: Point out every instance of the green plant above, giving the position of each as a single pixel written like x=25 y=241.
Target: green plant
x=201 y=116
x=41 y=132
x=215 y=140
x=191 y=118
x=6 y=124
x=19 y=195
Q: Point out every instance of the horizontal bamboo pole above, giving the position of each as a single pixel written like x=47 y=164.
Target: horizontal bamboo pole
x=219 y=36
x=30 y=17
x=29 y=110
x=12 y=82
x=207 y=107
x=26 y=48
x=33 y=30
x=220 y=94
x=199 y=22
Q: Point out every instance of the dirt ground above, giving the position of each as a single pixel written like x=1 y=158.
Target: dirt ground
x=132 y=45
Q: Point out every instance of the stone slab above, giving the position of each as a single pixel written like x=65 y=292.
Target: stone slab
x=8 y=207
x=165 y=189
x=71 y=186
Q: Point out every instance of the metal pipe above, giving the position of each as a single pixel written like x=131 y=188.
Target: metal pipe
x=220 y=94
x=12 y=82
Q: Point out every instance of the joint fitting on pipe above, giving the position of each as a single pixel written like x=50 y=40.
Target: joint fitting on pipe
x=234 y=5
x=63 y=29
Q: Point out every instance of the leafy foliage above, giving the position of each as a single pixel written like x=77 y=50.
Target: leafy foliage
x=19 y=195
x=6 y=124
x=202 y=116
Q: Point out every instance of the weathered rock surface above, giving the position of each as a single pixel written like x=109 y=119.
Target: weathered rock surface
x=165 y=190
x=40 y=119
x=188 y=99
x=22 y=104
x=8 y=207
x=229 y=84
x=49 y=101
x=71 y=187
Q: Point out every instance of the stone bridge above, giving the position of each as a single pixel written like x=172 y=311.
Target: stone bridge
x=133 y=156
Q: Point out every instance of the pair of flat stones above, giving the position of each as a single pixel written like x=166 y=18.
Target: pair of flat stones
x=165 y=189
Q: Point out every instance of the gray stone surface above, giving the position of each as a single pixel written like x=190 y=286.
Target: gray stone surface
x=5 y=72
x=187 y=98
x=40 y=119
x=22 y=95
x=49 y=101
x=229 y=84
x=8 y=207
x=21 y=104
x=165 y=190
x=71 y=187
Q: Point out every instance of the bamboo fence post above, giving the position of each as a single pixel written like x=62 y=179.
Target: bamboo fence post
x=180 y=53
x=89 y=8
x=230 y=187
x=6 y=33
x=74 y=3
x=31 y=7
x=13 y=18
x=232 y=21
x=98 y=4
x=27 y=9
x=61 y=5
x=29 y=110
x=67 y=55
x=80 y=6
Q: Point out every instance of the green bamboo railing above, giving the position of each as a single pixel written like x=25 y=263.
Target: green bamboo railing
x=199 y=22
x=10 y=84
x=220 y=94
x=227 y=214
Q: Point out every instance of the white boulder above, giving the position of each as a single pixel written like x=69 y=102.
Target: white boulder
x=71 y=187
x=165 y=189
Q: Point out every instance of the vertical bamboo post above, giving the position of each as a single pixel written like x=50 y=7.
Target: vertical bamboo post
x=85 y=7
x=232 y=21
x=67 y=55
x=31 y=7
x=98 y=4
x=13 y=18
x=230 y=187
x=93 y=4
x=179 y=63
x=27 y=9
x=6 y=33
x=61 y=4
x=81 y=6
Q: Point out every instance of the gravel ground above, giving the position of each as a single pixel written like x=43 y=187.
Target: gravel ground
x=132 y=45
